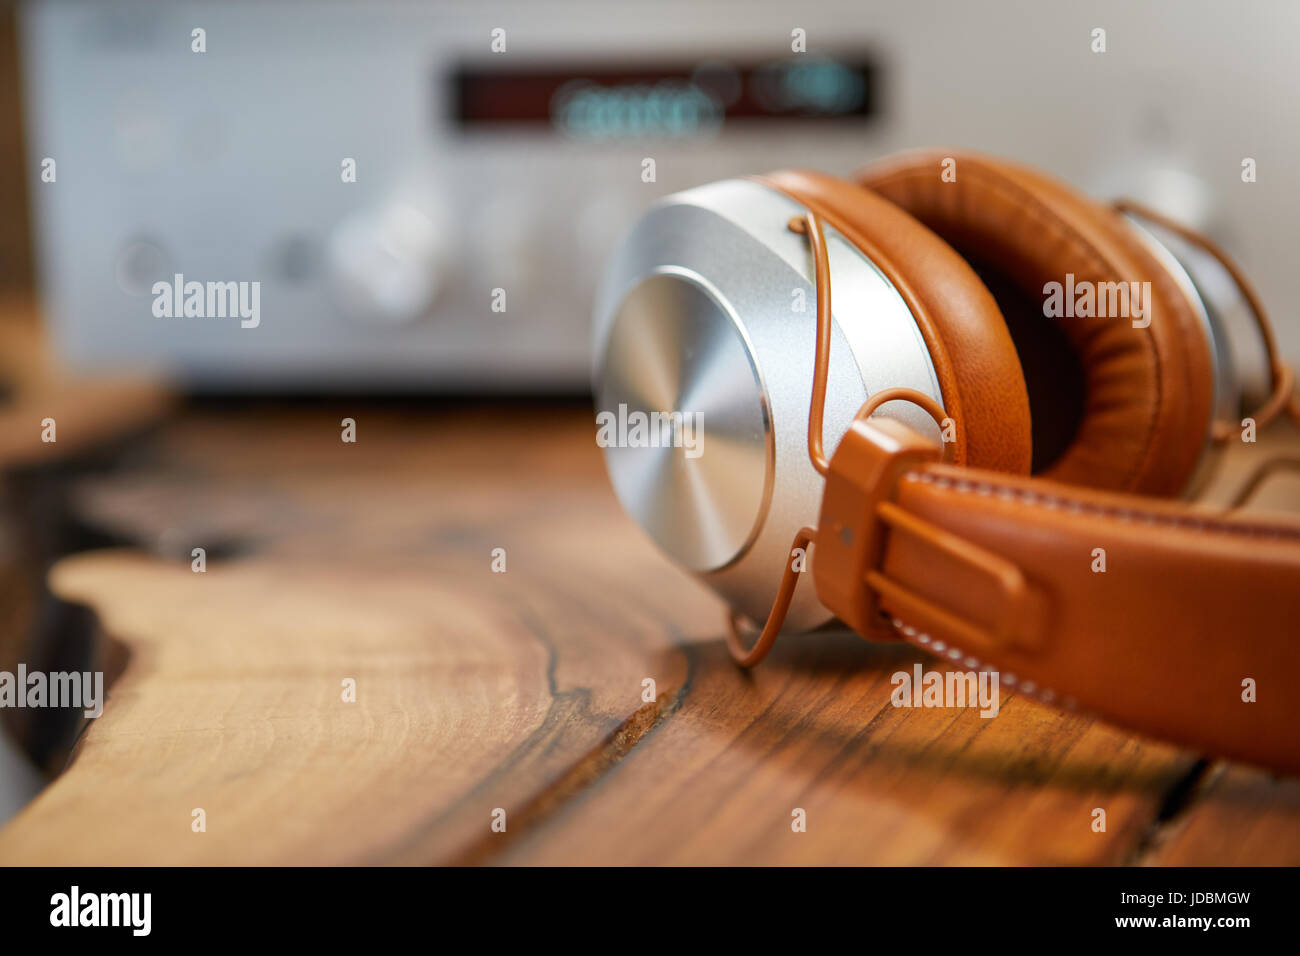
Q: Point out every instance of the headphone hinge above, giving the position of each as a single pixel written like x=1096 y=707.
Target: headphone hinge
x=858 y=515
x=863 y=473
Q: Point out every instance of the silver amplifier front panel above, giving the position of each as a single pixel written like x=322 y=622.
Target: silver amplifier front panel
x=465 y=255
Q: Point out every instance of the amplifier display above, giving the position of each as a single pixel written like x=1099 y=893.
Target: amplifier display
x=689 y=99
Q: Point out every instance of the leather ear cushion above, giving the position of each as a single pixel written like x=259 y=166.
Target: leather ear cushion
x=974 y=358
x=1147 y=406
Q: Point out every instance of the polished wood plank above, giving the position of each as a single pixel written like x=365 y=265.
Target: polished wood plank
x=1238 y=815
x=522 y=691
x=475 y=690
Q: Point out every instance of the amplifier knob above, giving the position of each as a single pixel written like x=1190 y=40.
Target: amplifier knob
x=386 y=263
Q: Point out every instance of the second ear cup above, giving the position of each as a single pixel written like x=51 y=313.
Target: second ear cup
x=1115 y=406
x=971 y=350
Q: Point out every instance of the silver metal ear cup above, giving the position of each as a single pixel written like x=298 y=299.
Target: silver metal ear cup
x=704 y=343
x=1225 y=318
x=674 y=348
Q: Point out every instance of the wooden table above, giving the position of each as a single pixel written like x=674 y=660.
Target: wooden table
x=479 y=691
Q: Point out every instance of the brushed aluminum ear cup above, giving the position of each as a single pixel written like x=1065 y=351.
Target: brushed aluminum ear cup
x=707 y=312
x=674 y=349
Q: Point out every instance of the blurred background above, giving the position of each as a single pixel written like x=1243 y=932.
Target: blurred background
x=424 y=193
x=512 y=160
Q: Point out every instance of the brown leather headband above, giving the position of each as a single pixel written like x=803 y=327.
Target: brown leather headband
x=1172 y=622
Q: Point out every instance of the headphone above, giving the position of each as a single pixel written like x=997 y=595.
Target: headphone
x=977 y=445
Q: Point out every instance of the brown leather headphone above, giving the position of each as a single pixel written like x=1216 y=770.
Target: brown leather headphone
x=1189 y=628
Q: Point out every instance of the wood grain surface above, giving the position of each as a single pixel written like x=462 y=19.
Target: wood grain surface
x=522 y=691
x=89 y=418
